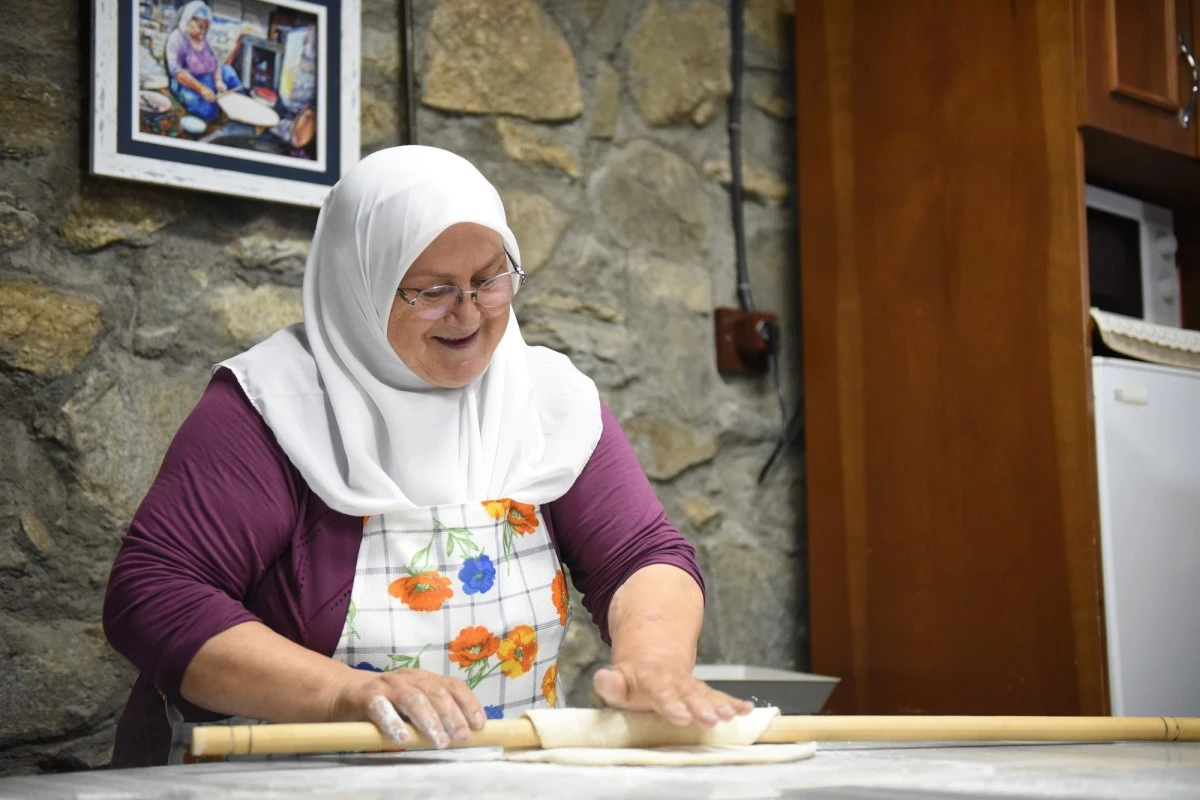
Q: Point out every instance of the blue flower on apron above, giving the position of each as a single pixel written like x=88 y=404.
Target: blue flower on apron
x=477 y=574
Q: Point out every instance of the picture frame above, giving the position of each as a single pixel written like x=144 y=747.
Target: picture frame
x=251 y=98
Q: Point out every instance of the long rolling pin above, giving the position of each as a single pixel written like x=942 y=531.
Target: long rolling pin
x=326 y=737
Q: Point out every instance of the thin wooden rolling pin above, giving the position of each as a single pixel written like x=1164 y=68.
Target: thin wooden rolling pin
x=220 y=740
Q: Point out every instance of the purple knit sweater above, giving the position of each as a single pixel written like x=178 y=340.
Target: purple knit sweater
x=229 y=532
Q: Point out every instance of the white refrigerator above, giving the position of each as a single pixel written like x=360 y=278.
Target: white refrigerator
x=1148 y=458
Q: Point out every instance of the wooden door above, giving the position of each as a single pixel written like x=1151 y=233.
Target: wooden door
x=952 y=523
x=1136 y=78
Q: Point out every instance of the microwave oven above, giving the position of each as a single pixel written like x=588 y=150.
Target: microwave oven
x=1132 y=268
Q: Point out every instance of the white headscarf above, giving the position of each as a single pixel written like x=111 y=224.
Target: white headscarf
x=364 y=431
x=196 y=8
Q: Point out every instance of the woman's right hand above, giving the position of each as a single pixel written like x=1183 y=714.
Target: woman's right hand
x=207 y=93
x=442 y=709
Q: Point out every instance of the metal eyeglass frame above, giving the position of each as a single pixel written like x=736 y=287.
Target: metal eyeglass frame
x=474 y=293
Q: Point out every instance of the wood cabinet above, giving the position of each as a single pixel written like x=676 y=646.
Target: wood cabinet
x=1137 y=78
x=943 y=152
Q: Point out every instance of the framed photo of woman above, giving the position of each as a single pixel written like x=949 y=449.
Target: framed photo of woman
x=255 y=98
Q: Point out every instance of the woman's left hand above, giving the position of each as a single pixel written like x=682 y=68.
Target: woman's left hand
x=667 y=688
x=220 y=85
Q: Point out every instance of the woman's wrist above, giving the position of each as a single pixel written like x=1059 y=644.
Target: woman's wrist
x=671 y=660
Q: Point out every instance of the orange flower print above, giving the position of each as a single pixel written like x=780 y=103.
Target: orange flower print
x=517 y=651
x=496 y=509
x=473 y=644
x=521 y=517
x=550 y=685
x=425 y=591
x=558 y=590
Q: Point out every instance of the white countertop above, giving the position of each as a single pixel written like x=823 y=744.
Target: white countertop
x=857 y=771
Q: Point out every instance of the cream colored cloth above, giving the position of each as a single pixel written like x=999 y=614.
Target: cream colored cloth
x=1160 y=344
x=367 y=434
x=608 y=737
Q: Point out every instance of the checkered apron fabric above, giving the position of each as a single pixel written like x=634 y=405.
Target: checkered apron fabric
x=472 y=591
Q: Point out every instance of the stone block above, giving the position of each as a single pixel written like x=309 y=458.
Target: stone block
x=575 y=305
x=526 y=144
x=35 y=531
x=380 y=121
x=45 y=42
x=499 y=57
x=248 y=316
x=74 y=753
x=606 y=102
x=59 y=676
x=651 y=198
x=12 y=557
x=271 y=250
x=16 y=224
x=537 y=223
x=699 y=510
x=679 y=62
x=44 y=331
x=757 y=183
x=103 y=216
x=757 y=593
x=381 y=52
x=605 y=353
x=773 y=105
x=684 y=286
x=768 y=28
x=120 y=422
x=35 y=116
x=666 y=446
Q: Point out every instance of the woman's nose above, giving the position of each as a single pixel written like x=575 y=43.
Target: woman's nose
x=467 y=311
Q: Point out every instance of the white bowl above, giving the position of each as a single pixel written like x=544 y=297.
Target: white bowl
x=193 y=125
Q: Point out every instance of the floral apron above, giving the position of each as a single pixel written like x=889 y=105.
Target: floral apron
x=472 y=591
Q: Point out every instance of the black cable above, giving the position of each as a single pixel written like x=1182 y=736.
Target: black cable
x=789 y=433
x=774 y=344
x=770 y=331
x=773 y=335
x=735 y=155
x=409 y=74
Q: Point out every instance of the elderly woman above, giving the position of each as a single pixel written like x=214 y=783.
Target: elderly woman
x=196 y=76
x=366 y=516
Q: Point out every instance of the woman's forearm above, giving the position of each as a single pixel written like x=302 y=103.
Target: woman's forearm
x=251 y=671
x=656 y=614
x=190 y=81
x=654 y=621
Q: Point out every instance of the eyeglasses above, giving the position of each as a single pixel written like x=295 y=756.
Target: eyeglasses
x=438 y=301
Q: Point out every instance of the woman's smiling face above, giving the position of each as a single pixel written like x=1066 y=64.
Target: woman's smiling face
x=452 y=351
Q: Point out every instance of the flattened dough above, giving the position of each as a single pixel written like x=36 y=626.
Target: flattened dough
x=678 y=756
x=593 y=727
x=603 y=737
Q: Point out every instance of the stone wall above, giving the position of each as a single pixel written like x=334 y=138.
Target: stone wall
x=603 y=125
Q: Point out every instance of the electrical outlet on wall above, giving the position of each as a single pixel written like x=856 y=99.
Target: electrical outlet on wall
x=745 y=340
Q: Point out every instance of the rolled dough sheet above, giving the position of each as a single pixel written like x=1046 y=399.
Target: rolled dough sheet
x=240 y=108
x=606 y=736
x=677 y=756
